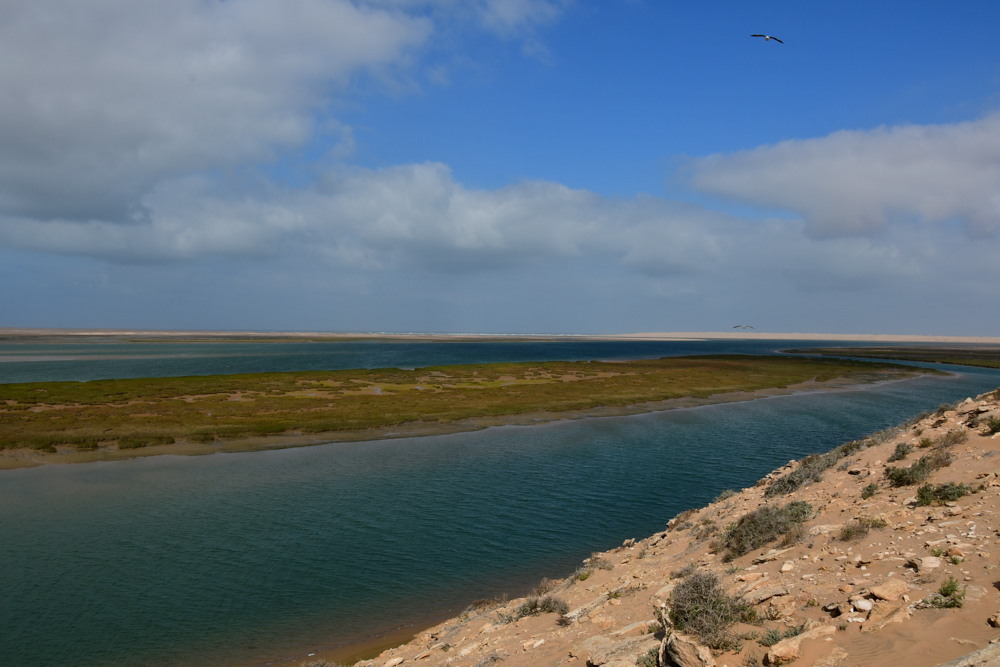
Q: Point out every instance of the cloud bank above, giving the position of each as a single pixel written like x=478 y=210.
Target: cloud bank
x=856 y=182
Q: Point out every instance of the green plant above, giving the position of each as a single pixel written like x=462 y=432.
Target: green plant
x=764 y=525
x=948 y=596
x=751 y=659
x=902 y=450
x=685 y=571
x=928 y=493
x=699 y=605
x=993 y=425
x=860 y=527
x=869 y=491
x=919 y=471
x=955 y=560
x=650 y=658
x=953 y=437
x=937 y=551
x=925 y=443
x=842 y=627
x=725 y=495
x=773 y=636
x=543 y=587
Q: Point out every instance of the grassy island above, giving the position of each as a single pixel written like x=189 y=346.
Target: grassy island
x=208 y=413
x=983 y=356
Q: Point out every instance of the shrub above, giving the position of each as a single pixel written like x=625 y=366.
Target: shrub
x=811 y=467
x=928 y=493
x=993 y=425
x=860 y=527
x=919 y=471
x=700 y=606
x=535 y=605
x=948 y=596
x=764 y=525
x=725 y=495
x=650 y=658
x=544 y=586
x=869 y=491
x=925 y=443
x=902 y=450
x=953 y=437
x=685 y=571
x=774 y=636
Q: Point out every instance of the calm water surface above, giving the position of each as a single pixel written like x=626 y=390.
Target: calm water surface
x=232 y=559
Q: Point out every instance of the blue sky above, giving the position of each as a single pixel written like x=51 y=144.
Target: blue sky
x=500 y=165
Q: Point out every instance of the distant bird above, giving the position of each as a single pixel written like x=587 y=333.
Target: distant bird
x=743 y=326
x=768 y=38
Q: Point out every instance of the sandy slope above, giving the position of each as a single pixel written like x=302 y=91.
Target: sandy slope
x=836 y=588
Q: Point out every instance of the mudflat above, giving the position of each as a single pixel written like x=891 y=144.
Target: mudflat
x=63 y=422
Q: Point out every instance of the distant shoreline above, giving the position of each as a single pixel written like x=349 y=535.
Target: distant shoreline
x=166 y=335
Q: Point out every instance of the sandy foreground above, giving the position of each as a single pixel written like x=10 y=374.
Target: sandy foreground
x=15 y=332
x=855 y=602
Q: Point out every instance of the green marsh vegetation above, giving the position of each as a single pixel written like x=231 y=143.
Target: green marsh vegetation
x=987 y=357
x=135 y=413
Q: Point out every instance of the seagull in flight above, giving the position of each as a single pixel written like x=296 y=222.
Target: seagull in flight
x=743 y=326
x=768 y=38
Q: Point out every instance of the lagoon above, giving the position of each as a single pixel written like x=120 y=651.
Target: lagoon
x=240 y=558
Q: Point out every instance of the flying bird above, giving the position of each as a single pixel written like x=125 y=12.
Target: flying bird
x=768 y=38
x=742 y=326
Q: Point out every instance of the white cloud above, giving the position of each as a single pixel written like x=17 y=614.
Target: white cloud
x=855 y=182
x=99 y=101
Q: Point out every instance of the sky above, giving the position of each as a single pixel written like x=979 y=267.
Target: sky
x=501 y=166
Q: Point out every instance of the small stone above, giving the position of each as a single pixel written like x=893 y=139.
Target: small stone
x=994 y=620
x=862 y=604
x=788 y=566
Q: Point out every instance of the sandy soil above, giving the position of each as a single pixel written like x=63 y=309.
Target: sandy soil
x=858 y=602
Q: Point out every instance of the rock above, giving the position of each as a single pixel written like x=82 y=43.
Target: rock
x=955 y=551
x=751 y=576
x=837 y=658
x=763 y=594
x=862 y=604
x=773 y=554
x=984 y=657
x=994 y=620
x=790 y=649
x=783 y=606
x=629 y=543
x=681 y=650
x=788 y=566
x=393 y=662
x=599 y=650
x=825 y=528
x=926 y=563
x=892 y=589
x=884 y=613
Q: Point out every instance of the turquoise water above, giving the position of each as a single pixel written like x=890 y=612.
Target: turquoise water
x=235 y=559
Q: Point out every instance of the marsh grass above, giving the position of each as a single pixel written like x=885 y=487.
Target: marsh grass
x=87 y=415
